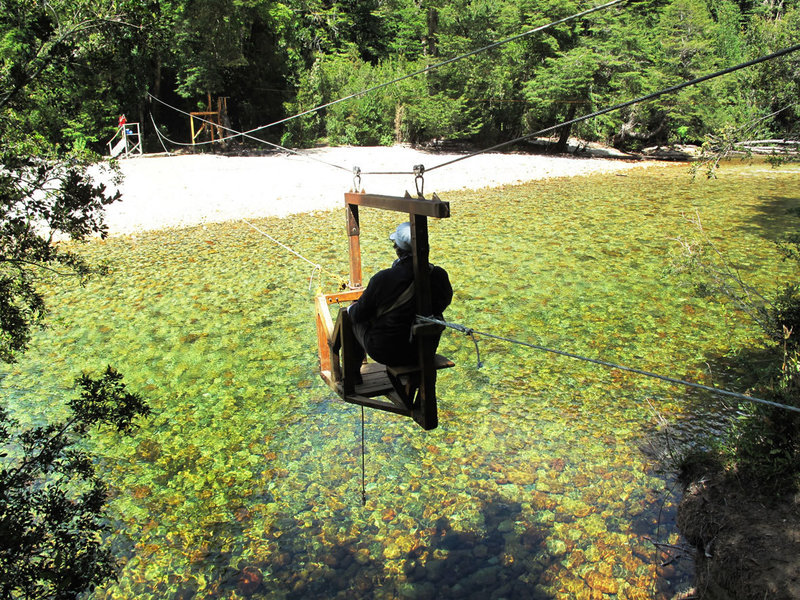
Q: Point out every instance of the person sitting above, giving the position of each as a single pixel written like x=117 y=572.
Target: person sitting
x=383 y=316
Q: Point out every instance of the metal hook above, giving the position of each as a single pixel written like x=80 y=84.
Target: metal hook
x=419 y=180
x=471 y=334
x=356 y=179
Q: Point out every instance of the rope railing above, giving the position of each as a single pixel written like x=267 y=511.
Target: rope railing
x=472 y=333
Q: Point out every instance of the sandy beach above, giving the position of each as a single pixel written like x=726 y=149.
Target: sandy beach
x=184 y=190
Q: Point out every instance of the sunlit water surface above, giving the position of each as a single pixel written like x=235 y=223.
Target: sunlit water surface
x=545 y=478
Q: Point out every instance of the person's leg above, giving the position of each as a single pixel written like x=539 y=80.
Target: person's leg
x=360 y=331
x=353 y=351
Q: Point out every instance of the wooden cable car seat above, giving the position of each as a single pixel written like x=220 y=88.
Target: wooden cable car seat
x=408 y=390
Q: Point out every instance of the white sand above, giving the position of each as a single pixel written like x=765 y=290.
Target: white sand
x=178 y=191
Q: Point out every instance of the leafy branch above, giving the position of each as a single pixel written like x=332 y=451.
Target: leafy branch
x=732 y=140
x=717 y=277
x=51 y=498
x=764 y=442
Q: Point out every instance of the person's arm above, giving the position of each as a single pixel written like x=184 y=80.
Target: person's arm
x=441 y=290
x=366 y=307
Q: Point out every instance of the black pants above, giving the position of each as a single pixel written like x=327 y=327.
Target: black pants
x=360 y=331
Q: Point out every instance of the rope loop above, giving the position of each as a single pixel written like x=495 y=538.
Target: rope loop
x=356 y=179
x=316 y=269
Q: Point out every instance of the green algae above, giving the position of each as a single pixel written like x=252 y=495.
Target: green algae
x=534 y=485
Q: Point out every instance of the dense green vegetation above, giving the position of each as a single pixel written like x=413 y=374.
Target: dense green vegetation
x=273 y=59
x=52 y=500
x=763 y=445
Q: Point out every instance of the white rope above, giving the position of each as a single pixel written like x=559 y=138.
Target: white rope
x=317 y=267
x=158 y=134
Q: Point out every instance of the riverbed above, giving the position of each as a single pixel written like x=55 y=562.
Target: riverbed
x=548 y=477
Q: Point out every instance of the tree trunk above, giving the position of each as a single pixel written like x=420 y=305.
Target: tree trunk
x=433 y=28
x=154 y=106
x=563 y=138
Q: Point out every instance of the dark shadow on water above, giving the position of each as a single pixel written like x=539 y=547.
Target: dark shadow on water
x=501 y=562
x=777 y=215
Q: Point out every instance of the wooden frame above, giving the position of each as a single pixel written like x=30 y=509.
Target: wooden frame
x=409 y=389
x=214 y=120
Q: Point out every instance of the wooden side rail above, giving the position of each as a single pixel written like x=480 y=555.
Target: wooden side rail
x=329 y=335
x=324 y=338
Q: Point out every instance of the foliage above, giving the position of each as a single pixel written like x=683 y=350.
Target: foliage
x=46 y=190
x=273 y=58
x=764 y=443
x=51 y=498
x=406 y=112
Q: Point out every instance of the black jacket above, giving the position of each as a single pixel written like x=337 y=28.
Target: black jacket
x=387 y=337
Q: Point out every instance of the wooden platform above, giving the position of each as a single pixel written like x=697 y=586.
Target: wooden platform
x=376 y=380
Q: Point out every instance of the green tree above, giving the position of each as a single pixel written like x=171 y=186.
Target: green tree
x=51 y=499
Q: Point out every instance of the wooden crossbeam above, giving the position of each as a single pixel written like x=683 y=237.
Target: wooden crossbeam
x=415 y=206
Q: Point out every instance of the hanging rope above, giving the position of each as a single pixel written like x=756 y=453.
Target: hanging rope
x=472 y=333
x=363 y=462
x=159 y=134
x=603 y=111
x=238 y=134
x=317 y=267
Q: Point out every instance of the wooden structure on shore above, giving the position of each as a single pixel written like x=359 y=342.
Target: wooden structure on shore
x=210 y=120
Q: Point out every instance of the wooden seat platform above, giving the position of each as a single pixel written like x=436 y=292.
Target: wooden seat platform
x=439 y=362
x=379 y=380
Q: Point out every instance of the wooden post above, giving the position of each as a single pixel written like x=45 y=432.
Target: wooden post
x=424 y=410
x=210 y=109
x=354 y=233
x=350 y=367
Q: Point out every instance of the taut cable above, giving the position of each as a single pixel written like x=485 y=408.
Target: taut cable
x=472 y=333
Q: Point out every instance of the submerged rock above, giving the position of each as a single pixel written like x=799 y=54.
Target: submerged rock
x=250 y=580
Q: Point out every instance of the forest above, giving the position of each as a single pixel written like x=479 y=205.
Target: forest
x=84 y=64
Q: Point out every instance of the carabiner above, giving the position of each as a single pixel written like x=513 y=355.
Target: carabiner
x=419 y=180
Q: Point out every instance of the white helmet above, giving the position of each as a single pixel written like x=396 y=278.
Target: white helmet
x=402 y=236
